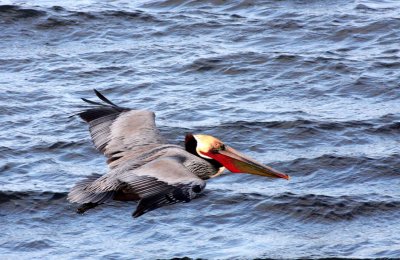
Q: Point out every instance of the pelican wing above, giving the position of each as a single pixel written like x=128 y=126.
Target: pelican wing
x=162 y=182
x=116 y=130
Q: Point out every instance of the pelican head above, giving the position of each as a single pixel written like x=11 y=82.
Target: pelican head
x=214 y=150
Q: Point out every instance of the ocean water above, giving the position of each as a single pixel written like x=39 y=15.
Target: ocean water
x=311 y=88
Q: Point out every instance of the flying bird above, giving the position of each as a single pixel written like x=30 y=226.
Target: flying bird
x=144 y=167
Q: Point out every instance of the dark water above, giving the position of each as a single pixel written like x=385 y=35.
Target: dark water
x=309 y=87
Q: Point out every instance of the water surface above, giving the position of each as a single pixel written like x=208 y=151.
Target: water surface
x=309 y=87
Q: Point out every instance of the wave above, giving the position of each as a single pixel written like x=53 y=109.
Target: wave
x=17 y=202
x=17 y=12
x=365 y=167
x=388 y=124
x=307 y=207
x=229 y=64
x=312 y=207
x=58 y=16
x=43 y=147
x=322 y=207
x=30 y=196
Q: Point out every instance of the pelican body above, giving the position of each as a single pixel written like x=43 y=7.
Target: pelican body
x=144 y=168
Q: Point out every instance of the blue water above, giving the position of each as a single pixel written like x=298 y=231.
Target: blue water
x=311 y=88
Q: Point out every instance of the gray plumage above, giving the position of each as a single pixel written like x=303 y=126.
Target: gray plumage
x=141 y=165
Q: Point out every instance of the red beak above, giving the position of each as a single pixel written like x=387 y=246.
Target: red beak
x=237 y=162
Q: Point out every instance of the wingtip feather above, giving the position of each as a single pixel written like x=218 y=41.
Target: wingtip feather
x=103 y=98
x=137 y=214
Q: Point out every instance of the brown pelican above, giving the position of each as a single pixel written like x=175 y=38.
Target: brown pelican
x=143 y=167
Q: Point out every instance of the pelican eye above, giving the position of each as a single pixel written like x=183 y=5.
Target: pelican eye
x=218 y=148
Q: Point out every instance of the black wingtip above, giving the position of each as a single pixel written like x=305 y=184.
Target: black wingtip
x=85 y=207
x=98 y=93
x=73 y=115
x=93 y=102
x=102 y=97
x=139 y=210
x=136 y=215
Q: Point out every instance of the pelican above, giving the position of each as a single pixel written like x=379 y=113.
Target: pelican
x=144 y=167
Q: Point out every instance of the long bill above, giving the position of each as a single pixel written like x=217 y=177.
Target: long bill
x=236 y=162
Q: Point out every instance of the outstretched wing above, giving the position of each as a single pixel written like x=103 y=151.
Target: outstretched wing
x=162 y=182
x=116 y=130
